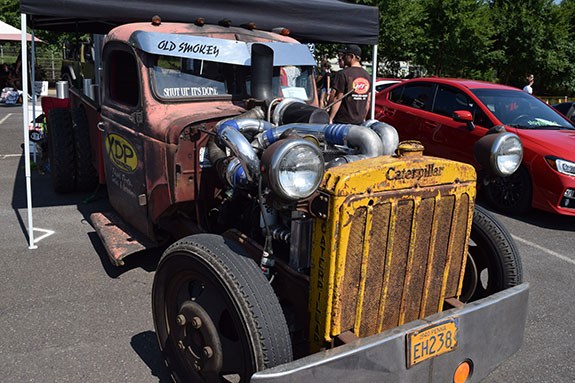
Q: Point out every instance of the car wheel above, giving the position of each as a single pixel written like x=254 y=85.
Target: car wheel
x=511 y=194
x=61 y=150
x=215 y=314
x=86 y=173
x=493 y=262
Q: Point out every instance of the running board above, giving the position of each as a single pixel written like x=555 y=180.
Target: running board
x=118 y=237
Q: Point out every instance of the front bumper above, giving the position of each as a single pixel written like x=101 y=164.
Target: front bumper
x=490 y=331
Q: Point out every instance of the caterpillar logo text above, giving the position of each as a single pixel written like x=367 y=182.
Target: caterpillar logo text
x=415 y=173
x=121 y=152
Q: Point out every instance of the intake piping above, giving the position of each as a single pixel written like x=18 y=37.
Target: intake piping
x=387 y=133
x=250 y=125
x=229 y=132
x=366 y=140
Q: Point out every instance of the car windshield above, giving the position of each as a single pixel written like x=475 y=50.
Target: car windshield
x=176 y=78
x=521 y=110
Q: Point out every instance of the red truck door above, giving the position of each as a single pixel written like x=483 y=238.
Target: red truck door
x=122 y=142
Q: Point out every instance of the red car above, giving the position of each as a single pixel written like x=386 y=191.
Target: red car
x=449 y=115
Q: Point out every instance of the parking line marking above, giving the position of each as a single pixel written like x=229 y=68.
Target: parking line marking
x=5 y=118
x=46 y=232
x=545 y=250
x=4 y=156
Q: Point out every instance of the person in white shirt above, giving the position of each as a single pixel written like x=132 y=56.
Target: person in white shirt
x=529 y=87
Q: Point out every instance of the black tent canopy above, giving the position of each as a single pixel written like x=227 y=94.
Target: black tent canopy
x=308 y=20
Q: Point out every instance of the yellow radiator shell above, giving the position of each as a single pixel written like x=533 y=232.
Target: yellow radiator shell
x=387 y=216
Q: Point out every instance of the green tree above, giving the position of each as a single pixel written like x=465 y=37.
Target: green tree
x=400 y=33
x=534 y=37
x=458 y=38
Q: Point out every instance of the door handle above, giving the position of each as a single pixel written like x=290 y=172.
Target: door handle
x=431 y=124
x=101 y=126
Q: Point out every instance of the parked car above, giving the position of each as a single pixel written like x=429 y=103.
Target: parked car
x=384 y=83
x=567 y=109
x=449 y=115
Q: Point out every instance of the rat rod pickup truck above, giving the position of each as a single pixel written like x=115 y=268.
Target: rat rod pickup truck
x=301 y=251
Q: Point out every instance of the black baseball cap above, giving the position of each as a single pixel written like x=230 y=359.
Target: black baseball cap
x=350 y=49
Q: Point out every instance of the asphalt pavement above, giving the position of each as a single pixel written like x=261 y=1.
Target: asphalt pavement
x=68 y=315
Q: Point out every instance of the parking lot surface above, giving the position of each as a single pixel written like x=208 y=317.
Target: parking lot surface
x=68 y=315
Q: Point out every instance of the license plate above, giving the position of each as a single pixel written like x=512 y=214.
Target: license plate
x=431 y=341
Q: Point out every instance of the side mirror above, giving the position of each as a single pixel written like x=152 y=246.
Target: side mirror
x=464 y=116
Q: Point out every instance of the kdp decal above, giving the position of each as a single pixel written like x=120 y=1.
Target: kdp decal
x=121 y=152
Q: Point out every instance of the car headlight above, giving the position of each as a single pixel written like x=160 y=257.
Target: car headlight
x=562 y=166
x=293 y=168
x=502 y=153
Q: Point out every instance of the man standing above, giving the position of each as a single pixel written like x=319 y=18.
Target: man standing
x=529 y=87
x=350 y=89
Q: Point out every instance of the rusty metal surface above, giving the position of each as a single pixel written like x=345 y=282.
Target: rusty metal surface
x=118 y=238
x=389 y=255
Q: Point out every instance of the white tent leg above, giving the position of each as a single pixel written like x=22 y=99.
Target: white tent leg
x=32 y=81
x=25 y=118
x=373 y=78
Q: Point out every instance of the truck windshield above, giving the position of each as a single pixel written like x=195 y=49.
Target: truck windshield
x=176 y=78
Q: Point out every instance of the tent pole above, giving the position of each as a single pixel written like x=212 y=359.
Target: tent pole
x=373 y=78
x=24 y=68
x=33 y=82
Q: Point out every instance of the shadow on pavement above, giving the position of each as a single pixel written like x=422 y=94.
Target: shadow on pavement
x=146 y=260
x=146 y=346
x=43 y=195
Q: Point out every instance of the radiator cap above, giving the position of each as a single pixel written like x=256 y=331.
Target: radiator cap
x=410 y=148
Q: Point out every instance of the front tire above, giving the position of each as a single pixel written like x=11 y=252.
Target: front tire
x=215 y=314
x=493 y=262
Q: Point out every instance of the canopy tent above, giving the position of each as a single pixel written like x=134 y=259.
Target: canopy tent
x=308 y=20
x=10 y=33
x=335 y=21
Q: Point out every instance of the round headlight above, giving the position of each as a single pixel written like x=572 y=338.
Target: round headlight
x=500 y=153
x=293 y=168
x=506 y=154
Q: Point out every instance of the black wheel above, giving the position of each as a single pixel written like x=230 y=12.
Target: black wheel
x=61 y=150
x=493 y=262
x=216 y=316
x=86 y=173
x=511 y=194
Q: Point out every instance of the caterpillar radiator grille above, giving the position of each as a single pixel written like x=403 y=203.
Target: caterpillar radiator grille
x=390 y=250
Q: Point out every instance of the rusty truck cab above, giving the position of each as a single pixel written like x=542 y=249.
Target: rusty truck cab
x=164 y=83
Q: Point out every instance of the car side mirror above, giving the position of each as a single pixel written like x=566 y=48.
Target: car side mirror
x=464 y=116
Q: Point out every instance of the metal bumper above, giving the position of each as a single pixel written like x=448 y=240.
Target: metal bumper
x=490 y=331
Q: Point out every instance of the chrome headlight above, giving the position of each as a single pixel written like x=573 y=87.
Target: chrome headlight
x=293 y=168
x=562 y=166
x=501 y=153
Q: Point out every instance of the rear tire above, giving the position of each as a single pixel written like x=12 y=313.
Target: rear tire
x=493 y=262
x=242 y=323
x=61 y=150
x=86 y=173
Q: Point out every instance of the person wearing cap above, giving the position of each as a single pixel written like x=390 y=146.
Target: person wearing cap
x=351 y=88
